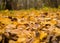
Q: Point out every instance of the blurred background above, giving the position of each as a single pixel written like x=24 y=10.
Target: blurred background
x=27 y=4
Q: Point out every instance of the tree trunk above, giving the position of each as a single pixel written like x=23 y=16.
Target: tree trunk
x=54 y=3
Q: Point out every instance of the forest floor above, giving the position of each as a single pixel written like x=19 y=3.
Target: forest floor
x=31 y=26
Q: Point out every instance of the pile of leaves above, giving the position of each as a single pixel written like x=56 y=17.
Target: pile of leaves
x=30 y=26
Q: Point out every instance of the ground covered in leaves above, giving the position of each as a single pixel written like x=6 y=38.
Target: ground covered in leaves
x=30 y=26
